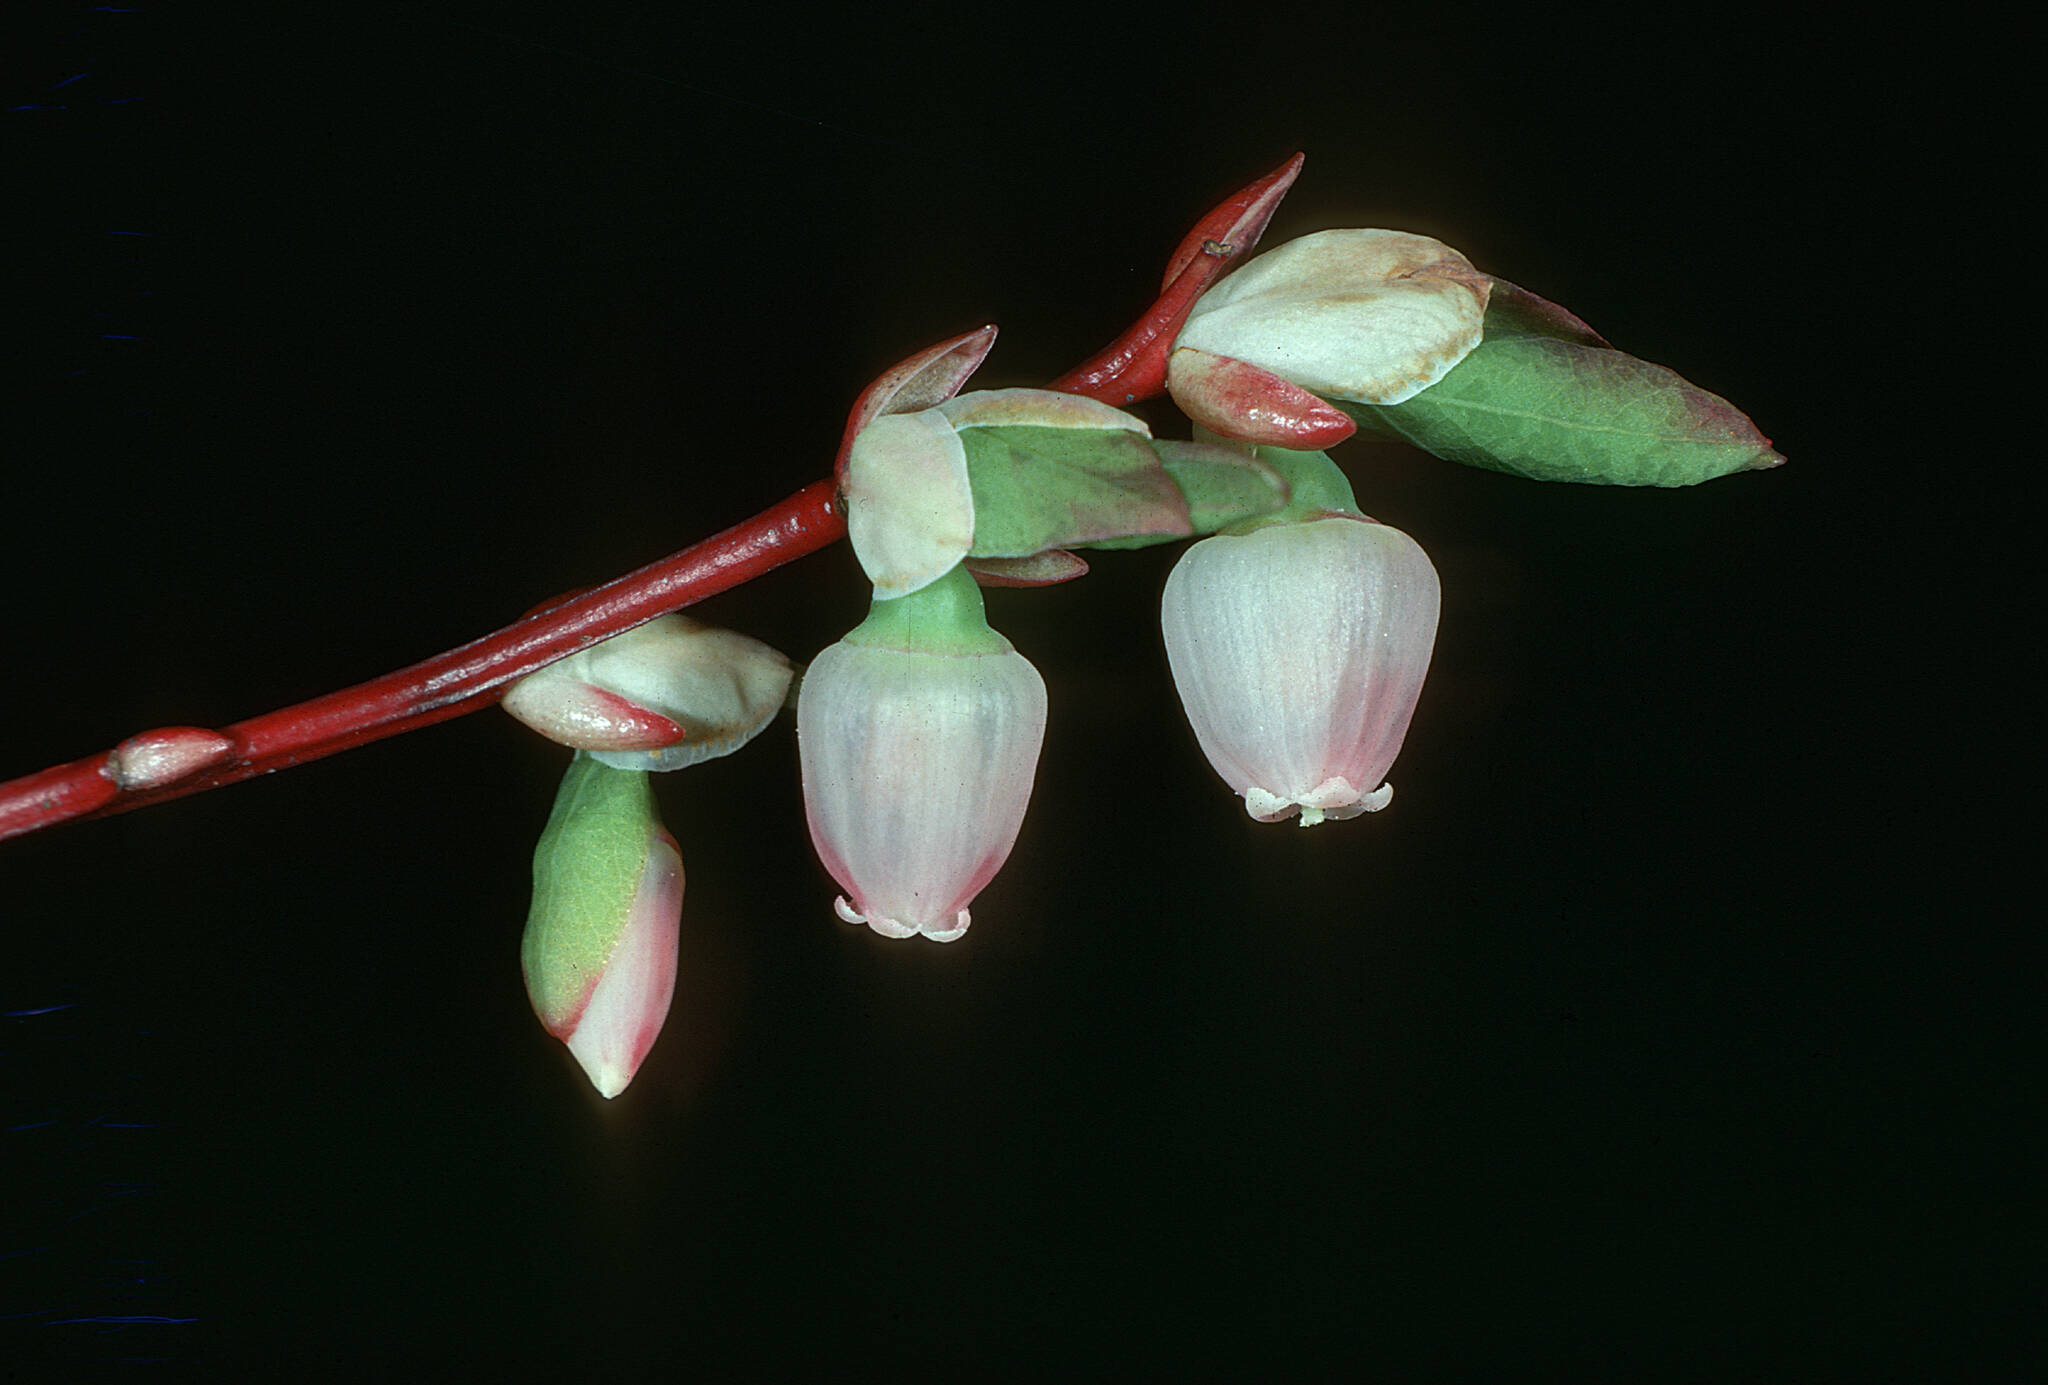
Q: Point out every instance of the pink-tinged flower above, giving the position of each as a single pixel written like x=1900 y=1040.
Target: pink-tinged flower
x=1299 y=650
x=917 y=768
x=599 y=954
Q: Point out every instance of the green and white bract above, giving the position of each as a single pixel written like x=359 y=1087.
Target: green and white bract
x=1375 y=317
x=599 y=953
x=717 y=687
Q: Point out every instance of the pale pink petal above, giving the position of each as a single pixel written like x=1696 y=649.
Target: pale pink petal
x=917 y=770
x=1299 y=651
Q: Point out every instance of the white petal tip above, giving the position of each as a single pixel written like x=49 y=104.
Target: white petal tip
x=886 y=927
x=610 y=1082
x=1267 y=807
x=605 y=1072
x=891 y=928
x=1334 y=801
x=960 y=922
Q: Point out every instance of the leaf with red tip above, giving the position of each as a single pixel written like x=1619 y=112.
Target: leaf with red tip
x=661 y=696
x=1235 y=225
x=1513 y=311
x=1046 y=569
x=1555 y=410
x=583 y=716
x=1133 y=367
x=1240 y=400
x=918 y=381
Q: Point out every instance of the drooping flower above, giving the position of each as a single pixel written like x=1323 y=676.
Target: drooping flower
x=919 y=736
x=1299 y=650
x=599 y=953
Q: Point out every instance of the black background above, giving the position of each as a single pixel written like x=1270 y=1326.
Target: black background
x=1653 y=1032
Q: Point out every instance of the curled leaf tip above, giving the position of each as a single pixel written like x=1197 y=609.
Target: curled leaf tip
x=918 y=381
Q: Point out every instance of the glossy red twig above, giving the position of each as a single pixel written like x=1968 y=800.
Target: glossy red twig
x=1133 y=367
x=173 y=761
x=170 y=762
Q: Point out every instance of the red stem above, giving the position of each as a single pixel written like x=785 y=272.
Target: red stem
x=174 y=761
x=1133 y=367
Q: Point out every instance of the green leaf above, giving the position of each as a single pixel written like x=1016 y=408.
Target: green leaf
x=586 y=870
x=1535 y=399
x=1037 y=488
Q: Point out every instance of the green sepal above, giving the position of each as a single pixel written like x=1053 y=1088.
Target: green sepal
x=1316 y=486
x=1037 y=488
x=1225 y=486
x=586 y=871
x=943 y=617
x=1537 y=400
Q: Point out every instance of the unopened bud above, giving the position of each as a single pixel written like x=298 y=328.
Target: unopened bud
x=599 y=952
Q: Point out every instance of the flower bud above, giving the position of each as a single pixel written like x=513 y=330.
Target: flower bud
x=1299 y=651
x=1375 y=317
x=599 y=952
x=662 y=695
x=919 y=736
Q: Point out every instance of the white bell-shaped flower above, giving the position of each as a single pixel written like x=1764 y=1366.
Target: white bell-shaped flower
x=1299 y=650
x=917 y=767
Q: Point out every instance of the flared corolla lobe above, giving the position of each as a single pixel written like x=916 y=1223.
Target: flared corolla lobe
x=1375 y=317
x=1299 y=651
x=599 y=953
x=917 y=768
